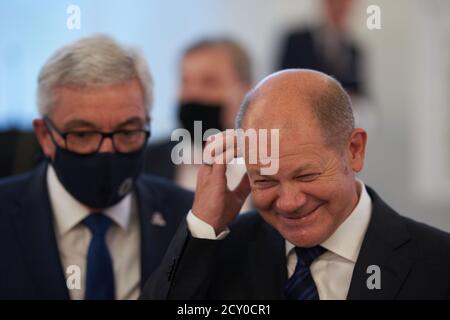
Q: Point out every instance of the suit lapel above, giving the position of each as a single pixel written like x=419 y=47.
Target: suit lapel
x=35 y=233
x=154 y=233
x=383 y=245
x=267 y=261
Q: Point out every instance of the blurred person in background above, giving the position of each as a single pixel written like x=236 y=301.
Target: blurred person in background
x=329 y=47
x=86 y=224
x=215 y=74
x=326 y=47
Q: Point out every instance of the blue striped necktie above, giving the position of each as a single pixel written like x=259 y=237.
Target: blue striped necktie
x=301 y=286
x=99 y=274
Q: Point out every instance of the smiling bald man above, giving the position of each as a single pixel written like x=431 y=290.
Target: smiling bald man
x=319 y=232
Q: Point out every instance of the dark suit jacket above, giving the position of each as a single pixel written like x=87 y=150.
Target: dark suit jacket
x=300 y=51
x=158 y=159
x=20 y=152
x=30 y=266
x=250 y=263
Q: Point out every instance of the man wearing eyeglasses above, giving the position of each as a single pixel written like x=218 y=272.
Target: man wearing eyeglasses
x=86 y=224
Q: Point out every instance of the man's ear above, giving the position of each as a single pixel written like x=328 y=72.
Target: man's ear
x=43 y=136
x=357 y=149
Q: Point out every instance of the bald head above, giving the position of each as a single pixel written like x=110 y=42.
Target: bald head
x=296 y=98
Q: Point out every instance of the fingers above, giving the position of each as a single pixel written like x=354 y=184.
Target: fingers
x=243 y=189
x=222 y=148
x=214 y=203
x=212 y=172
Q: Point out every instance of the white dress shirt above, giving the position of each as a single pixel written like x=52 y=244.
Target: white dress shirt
x=332 y=271
x=73 y=238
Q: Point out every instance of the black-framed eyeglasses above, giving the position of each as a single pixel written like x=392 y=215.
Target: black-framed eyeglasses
x=87 y=142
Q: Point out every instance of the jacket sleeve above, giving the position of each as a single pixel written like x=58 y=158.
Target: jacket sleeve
x=186 y=270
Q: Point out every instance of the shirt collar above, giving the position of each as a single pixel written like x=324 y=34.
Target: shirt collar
x=346 y=241
x=69 y=212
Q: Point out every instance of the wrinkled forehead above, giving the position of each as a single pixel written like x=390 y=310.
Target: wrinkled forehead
x=287 y=140
x=292 y=117
x=283 y=151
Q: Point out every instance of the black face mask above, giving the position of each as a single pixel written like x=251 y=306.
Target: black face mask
x=210 y=115
x=98 y=180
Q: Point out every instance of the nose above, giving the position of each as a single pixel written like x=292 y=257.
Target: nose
x=106 y=146
x=290 y=199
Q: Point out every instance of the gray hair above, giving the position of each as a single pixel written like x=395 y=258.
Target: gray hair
x=331 y=106
x=94 y=61
x=243 y=108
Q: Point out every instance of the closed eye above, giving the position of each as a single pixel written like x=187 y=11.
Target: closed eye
x=308 y=177
x=264 y=183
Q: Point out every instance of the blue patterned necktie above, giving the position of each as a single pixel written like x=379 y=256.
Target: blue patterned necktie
x=100 y=274
x=301 y=286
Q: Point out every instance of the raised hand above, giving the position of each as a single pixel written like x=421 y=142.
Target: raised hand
x=214 y=203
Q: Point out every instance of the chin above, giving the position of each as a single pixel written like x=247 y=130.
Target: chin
x=305 y=237
x=308 y=232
